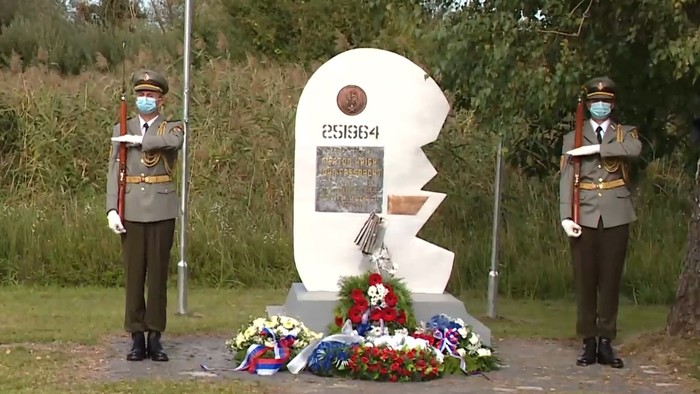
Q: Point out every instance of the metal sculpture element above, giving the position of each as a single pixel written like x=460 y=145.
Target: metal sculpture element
x=370 y=239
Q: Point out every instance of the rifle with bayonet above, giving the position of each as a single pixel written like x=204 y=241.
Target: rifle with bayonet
x=578 y=141
x=121 y=174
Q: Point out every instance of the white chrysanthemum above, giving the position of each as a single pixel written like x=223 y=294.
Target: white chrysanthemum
x=463 y=332
x=381 y=290
x=483 y=352
x=474 y=338
x=401 y=331
x=287 y=323
x=250 y=332
x=377 y=331
x=258 y=323
x=239 y=340
x=372 y=292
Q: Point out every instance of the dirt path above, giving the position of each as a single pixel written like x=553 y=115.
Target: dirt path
x=532 y=366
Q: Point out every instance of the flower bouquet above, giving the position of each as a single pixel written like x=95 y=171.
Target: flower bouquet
x=395 y=358
x=330 y=358
x=374 y=305
x=278 y=338
x=459 y=343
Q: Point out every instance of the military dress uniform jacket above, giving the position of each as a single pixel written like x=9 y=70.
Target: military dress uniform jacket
x=604 y=177
x=150 y=188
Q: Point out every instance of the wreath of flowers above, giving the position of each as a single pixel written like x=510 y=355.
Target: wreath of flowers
x=374 y=305
x=276 y=332
x=330 y=358
x=373 y=337
x=392 y=358
x=459 y=343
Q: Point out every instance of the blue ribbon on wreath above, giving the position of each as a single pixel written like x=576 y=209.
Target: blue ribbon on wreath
x=447 y=341
x=253 y=361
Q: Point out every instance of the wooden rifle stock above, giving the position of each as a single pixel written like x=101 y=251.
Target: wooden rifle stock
x=121 y=175
x=578 y=141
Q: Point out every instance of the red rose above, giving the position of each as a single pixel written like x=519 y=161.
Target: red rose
x=355 y=315
x=391 y=299
x=374 y=279
x=376 y=314
x=389 y=314
x=393 y=378
x=389 y=288
x=362 y=304
x=401 y=318
x=339 y=321
x=357 y=294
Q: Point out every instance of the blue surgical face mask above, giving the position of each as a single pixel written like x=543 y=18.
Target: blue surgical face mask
x=146 y=105
x=600 y=109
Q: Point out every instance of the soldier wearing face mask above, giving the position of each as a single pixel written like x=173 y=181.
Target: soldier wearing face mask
x=151 y=205
x=599 y=242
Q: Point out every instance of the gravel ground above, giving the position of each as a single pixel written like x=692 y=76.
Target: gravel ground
x=532 y=366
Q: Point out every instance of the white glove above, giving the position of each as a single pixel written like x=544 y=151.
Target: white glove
x=129 y=138
x=115 y=223
x=584 y=150
x=570 y=228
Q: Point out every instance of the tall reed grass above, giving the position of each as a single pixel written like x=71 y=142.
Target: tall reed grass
x=54 y=143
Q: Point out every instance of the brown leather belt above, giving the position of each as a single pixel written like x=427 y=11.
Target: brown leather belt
x=603 y=185
x=148 y=179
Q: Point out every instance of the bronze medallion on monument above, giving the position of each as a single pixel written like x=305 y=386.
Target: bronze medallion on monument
x=352 y=100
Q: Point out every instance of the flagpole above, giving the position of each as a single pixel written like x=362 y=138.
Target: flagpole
x=182 y=264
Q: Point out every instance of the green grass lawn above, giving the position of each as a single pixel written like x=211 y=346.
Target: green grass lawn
x=47 y=334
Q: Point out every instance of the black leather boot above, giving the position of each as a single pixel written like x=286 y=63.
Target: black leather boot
x=155 y=349
x=606 y=355
x=588 y=356
x=138 y=347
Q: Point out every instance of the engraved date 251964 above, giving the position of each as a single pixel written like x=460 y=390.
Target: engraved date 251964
x=352 y=132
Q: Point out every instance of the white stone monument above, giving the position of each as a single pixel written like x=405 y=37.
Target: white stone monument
x=361 y=121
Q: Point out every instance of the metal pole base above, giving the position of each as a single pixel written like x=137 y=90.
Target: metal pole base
x=493 y=290
x=182 y=288
x=493 y=273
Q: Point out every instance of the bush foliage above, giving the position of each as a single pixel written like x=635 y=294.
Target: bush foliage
x=507 y=73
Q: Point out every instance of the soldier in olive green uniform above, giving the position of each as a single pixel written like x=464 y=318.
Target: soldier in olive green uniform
x=599 y=241
x=151 y=205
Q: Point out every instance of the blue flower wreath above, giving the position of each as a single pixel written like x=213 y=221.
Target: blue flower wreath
x=442 y=322
x=329 y=358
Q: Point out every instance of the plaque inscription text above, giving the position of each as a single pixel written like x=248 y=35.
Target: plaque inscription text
x=349 y=179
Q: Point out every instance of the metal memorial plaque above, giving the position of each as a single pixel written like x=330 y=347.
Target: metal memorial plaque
x=349 y=179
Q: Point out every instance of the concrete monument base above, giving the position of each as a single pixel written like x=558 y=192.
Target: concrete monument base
x=315 y=309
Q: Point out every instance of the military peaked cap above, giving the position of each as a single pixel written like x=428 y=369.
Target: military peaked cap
x=600 y=88
x=149 y=80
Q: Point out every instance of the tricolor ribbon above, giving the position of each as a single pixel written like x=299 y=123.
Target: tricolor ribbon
x=253 y=361
x=447 y=341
